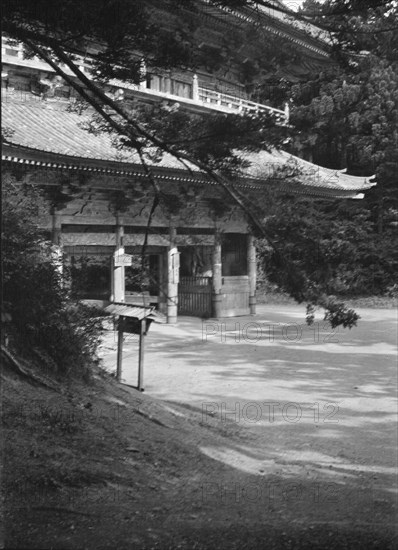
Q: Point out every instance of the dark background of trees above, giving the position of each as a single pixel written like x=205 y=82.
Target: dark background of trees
x=346 y=116
x=353 y=125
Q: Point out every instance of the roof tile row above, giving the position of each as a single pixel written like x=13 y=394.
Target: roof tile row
x=58 y=132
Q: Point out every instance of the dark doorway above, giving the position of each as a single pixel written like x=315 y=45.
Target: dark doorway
x=143 y=276
x=195 y=286
x=90 y=275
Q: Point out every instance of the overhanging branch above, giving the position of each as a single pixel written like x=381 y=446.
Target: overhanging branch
x=99 y=98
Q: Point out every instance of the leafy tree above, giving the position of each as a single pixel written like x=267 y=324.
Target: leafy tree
x=348 y=117
x=326 y=249
x=57 y=31
x=63 y=332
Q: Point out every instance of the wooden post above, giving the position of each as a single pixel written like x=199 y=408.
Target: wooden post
x=217 y=277
x=56 y=237
x=56 y=228
x=119 y=350
x=118 y=283
x=141 y=356
x=172 y=279
x=252 y=272
x=162 y=304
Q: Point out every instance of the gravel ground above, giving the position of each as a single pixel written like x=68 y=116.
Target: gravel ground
x=252 y=433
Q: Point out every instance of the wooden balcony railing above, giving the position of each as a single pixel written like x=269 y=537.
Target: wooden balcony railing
x=232 y=103
x=154 y=88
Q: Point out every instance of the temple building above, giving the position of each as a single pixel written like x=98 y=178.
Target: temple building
x=199 y=250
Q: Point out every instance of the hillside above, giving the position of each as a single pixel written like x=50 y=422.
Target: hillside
x=100 y=465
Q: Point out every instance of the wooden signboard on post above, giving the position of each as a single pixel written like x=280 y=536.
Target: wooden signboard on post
x=175 y=265
x=133 y=320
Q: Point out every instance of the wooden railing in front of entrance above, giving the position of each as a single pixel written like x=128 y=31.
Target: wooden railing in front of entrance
x=194 y=296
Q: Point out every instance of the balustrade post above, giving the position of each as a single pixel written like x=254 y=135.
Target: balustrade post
x=287 y=112
x=143 y=75
x=195 y=88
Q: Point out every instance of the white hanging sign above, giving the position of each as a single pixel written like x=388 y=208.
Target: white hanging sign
x=122 y=260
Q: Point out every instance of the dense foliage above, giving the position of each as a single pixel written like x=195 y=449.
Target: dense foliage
x=64 y=333
x=327 y=248
x=347 y=117
x=347 y=114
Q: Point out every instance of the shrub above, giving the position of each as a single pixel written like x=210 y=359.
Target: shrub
x=43 y=312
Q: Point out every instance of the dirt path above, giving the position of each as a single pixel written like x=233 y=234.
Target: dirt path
x=103 y=466
x=317 y=409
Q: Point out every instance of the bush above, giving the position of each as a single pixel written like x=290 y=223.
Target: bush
x=43 y=313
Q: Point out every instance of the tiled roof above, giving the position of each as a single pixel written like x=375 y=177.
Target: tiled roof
x=48 y=135
x=266 y=165
x=51 y=128
x=276 y=22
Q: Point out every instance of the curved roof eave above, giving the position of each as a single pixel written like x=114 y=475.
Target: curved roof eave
x=43 y=160
x=266 y=165
x=53 y=138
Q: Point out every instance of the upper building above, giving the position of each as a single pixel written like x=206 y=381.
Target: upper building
x=199 y=247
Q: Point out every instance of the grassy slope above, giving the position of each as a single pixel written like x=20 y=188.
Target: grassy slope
x=102 y=466
x=93 y=464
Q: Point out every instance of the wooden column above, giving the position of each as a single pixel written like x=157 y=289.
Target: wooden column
x=252 y=272
x=140 y=384
x=217 y=277
x=163 y=281
x=161 y=287
x=172 y=278
x=56 y=237
x=119 y=360
x=117 y=279
x=56 y=228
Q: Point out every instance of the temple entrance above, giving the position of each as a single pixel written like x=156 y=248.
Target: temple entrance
x=142 y=280
x=195 y=285
x=194 y=296
x=141 y=277
x=88 y=271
